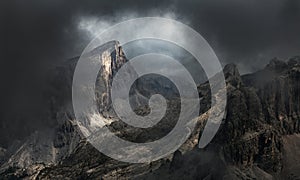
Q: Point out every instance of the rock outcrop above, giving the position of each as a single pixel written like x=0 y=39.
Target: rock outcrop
x=262 y=108
x=50 y=146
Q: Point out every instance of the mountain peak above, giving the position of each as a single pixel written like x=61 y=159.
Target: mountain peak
x=232 y=75
x=231 y=69
x=294 y=61
x=276 y=65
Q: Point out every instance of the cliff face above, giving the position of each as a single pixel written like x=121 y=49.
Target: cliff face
x=262 y=109
x=278 y=88
x=246 y=136
x=110 y=63
x=52 y=145
x=259 y=130
x=254 y=140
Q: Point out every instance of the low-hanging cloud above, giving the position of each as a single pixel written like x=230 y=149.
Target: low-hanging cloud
x=40 y=34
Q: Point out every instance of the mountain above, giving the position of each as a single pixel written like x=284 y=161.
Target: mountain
x=258 y=139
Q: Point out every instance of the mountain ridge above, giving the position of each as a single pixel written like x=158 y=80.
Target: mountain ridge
x=262 y=118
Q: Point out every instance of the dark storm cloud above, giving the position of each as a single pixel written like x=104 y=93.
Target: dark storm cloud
x=250 y=32
x=39 y=34
x=36 y=35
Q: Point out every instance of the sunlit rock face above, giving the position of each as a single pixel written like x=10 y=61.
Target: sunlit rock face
x=52 y=144
x=112 y=58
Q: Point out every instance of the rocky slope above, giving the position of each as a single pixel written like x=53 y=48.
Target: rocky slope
x=51 y=146
x=257 y=140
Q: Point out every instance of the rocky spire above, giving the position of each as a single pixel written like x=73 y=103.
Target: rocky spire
x=112 y=58
x=232 y=75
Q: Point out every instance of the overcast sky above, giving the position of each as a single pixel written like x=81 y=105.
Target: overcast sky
x=38 y=34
